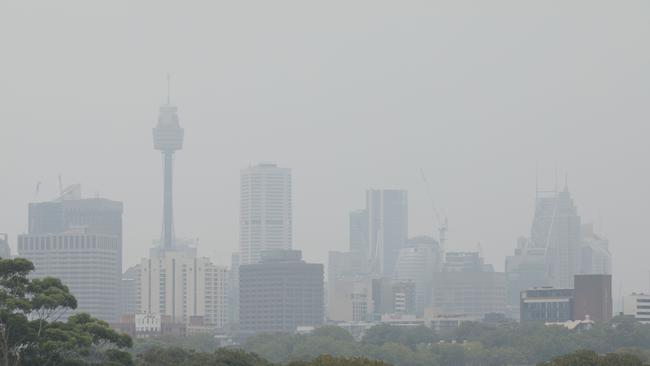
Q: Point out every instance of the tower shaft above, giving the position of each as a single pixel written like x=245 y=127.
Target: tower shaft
x=168 y=203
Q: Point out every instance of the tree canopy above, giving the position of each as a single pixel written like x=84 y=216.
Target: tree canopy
x=30 y=330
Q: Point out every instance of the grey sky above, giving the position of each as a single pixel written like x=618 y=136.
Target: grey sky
x=350 y=95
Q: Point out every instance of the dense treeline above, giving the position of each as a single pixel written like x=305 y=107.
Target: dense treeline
x=471 y=344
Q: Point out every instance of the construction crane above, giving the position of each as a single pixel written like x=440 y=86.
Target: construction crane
x=442 y=224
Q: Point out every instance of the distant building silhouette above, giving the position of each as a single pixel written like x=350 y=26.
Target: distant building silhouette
x=280 y=294
x=468 y=286
x=387 y=228
x=5 y=251
x=265 y=215
x=593 y=297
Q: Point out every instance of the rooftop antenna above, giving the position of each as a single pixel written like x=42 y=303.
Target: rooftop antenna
x=566 y=180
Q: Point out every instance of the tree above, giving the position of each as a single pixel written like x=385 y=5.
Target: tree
x=30 y=330
x=591 y=358
x=176 y=356
x=339 y=361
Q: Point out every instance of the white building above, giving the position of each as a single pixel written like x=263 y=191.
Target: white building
x=89 y=264
x=638 y=306
x=178 y=284
x=265 y=211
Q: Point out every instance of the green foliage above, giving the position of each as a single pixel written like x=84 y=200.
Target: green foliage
x=29 y=336
x=196 y=342
x=471 y=344
x=591 y=358
x=176 y=356
x=327 y=360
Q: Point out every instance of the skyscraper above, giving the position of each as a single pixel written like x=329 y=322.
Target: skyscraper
x=168 y=137
x=387 y=227
x=87 y=263
x=265 y=211
x=180 y=285
x=80 y=242
x=358 y=231
x=418 y=263
x=556 y=228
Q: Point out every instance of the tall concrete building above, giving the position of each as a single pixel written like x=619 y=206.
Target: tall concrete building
x=80 y=242
x=387 y=228
x=556 y=228
x=5 y=251
x=525 y=269
x=467 y=286
x=71 y=212
x=87 y=263
x=180 y=285
x=358 y=231
x=265 y=215
x=280 y=294
x=595 y=257
x=418 y=263
x=593 y=297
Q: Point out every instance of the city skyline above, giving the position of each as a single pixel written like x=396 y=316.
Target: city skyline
x=481 y=164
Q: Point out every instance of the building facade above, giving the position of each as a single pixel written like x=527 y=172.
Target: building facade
x=547 y=304
x=265 y=221
x=89 y=264
x=418 y=263
x=5 y=251
x=180 y=285
x=387 y=228
x=593 y=297
x=280 y=294
x=637 y=306
x=469 y=287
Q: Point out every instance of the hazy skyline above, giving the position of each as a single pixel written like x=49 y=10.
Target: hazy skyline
x=350 y=96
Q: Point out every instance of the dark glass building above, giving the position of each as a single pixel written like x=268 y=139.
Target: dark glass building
x=547 y=304
x=280 y=294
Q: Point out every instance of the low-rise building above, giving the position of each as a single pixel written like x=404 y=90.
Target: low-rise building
x=547 y=304
x=637 y=306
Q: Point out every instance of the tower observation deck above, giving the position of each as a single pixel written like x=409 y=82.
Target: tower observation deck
x=168 y=137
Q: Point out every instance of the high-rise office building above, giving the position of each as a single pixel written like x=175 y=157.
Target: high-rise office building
x=556 y=228
x=468 y=286
x=265 y=215
x=71 y=212
x=80 y=242
x=128 y=292
x=594 y=252
x=5 y=251
x=280 y=294
x=358 y=231
x=418 y=262
x=87 y=263
x=525 y=269
x=593 y=297
x=387 y=228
